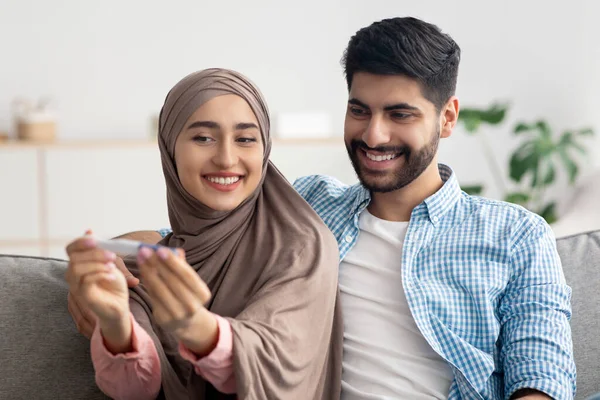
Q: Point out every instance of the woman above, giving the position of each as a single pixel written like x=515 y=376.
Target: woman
x=248 y=305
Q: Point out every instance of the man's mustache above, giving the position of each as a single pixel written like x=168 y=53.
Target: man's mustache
x=356 y=144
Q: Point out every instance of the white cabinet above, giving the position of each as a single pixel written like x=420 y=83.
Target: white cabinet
x=109 y=190
x=19 y=195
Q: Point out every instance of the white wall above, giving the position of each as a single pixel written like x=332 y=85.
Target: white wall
x=109 y=64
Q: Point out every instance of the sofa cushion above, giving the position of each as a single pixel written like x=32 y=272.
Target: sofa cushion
x=43 y=355
x=580 y=255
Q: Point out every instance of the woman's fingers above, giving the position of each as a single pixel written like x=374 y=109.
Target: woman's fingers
x=80 y=244
x=132 y=281
x=180 y=269
x=94 y=254
x=76 y=273
x=176 y=302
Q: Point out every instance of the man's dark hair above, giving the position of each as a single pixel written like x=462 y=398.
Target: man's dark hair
x=410 y=47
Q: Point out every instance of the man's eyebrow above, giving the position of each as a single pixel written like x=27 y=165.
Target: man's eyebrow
x=392 y=107
x=401 y=106
x=359 y=103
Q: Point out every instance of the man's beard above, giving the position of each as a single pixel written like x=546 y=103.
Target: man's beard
x=415 y=162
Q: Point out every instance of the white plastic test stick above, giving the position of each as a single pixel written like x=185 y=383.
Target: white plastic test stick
x=125 y=246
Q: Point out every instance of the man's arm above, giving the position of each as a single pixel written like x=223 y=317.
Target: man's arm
x=537 y=348
x=148 y=237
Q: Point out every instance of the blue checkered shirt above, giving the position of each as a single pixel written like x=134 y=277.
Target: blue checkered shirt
x=483 y=280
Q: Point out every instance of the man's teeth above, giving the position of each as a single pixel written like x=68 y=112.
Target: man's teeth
x=223 y=181
x=385 y=157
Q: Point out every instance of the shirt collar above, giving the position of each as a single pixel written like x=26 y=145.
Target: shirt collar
x=444 y=199
x=435 y=205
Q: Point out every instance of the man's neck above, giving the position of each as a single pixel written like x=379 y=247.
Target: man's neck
x=398 y=205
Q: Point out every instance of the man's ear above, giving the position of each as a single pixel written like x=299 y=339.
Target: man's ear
x=449 y=117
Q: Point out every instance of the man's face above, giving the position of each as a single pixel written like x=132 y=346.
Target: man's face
x=391 y=131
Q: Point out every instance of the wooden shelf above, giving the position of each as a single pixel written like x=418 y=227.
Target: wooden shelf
x=95 y=143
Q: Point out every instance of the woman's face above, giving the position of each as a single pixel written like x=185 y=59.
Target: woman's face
x=219 y=153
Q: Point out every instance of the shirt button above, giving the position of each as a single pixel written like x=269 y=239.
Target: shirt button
x=435 y=219
x=349 y=238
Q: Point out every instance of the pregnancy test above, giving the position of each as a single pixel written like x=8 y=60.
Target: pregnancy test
x=126 y=246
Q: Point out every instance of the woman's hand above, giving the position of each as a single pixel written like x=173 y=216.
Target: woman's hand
x=178 y=297
x=98 y=284
x=93 y=277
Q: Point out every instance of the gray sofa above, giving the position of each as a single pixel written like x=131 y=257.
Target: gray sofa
x=44 y=357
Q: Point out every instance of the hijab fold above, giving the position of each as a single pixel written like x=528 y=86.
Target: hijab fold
x=271 y=265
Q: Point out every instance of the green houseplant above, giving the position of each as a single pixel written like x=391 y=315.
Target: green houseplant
x=534 y=164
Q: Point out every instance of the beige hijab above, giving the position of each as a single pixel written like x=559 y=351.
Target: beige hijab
x=271 y=265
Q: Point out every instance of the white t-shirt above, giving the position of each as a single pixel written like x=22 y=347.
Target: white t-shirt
x=385 y=354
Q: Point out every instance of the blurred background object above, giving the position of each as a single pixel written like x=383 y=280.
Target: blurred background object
x=528 y=86
x=35 y=122
x=535 y=165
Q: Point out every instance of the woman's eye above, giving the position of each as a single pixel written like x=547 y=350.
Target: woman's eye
x=202 y=139
x=247 y=140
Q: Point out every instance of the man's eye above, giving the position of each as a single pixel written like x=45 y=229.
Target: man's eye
x=357 y=111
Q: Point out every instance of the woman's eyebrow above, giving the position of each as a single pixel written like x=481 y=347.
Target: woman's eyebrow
x=204 y=124
x=245 y=125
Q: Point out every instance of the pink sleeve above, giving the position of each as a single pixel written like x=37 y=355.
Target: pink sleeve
x=128 y=375
x=217 y=367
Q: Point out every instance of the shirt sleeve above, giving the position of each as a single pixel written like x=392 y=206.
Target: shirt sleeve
x=537 y=347
x=127 y=375
x=164 y=231
x=216 y=367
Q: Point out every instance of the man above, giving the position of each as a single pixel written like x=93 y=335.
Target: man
x=444 y=295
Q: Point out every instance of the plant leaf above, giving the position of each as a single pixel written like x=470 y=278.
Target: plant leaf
x=473 y=189
x=586 y=132
x=570 y=165
x=545 y=147
x=567 y=141
x=535 y=175
x=549 y=213
x=495 y=114
x=544 y=129
x=525 y=159
x=472 y=118
x=522 y=127
x=549 y=175
x=578 y=147
x=466 y=113
x=517 y=198
x=472 y=124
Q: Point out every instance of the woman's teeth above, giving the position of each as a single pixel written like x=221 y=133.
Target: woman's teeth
x=224 y=181
x=385 y=157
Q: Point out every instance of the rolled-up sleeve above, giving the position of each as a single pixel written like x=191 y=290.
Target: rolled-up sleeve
x=535 y=313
